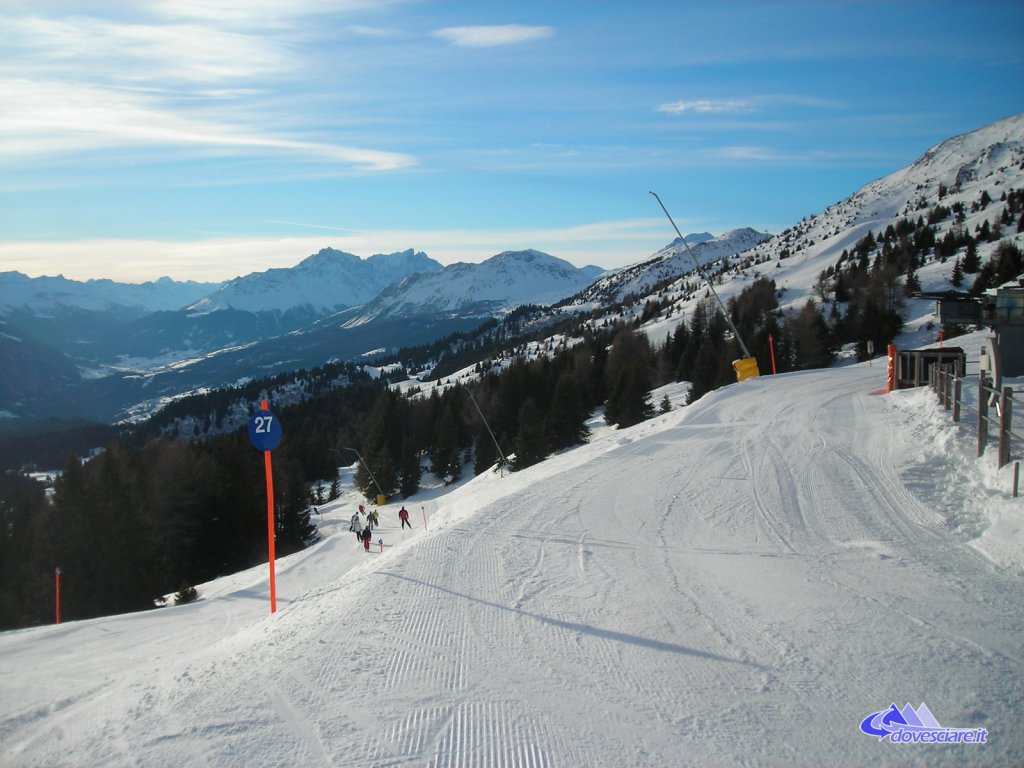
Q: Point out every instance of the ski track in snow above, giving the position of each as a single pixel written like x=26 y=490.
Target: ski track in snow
x=738 y=582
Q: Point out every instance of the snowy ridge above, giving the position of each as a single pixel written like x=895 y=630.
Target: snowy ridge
x=990 y=159
x=499 y=284
x=671 y=261
x=326 y=282
x=42 y=295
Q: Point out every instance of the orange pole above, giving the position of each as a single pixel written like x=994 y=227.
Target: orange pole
x=270 y=521
x=771 y=346
x=890 y=383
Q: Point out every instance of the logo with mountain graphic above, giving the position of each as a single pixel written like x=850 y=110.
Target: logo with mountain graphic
x=917 y=726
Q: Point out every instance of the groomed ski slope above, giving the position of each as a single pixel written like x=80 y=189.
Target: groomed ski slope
x=740 y=581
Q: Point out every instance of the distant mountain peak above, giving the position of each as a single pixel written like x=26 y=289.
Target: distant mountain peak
x=674 y=260
x=46 y=294
x=504 y=281
x=328 y=281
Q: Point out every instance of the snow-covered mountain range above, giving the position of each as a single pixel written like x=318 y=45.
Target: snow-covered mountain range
x=332 y=304
x=42 y=295
x=501 y=283
x=326 y=282
x=223 y=334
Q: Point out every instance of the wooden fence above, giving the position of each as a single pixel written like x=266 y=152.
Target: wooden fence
x=994 y=411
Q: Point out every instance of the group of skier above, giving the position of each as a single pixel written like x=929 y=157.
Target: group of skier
x=363 y=522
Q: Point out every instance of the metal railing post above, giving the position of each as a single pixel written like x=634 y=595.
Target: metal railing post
x=1005 y=424
x=982 y=412
x=957 y=397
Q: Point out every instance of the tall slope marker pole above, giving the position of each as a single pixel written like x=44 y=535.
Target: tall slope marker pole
x=749 y=359
x=265 y=434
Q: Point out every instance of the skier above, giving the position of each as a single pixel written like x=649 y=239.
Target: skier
x=356 y=525
x=367 y=535
x=403 y=515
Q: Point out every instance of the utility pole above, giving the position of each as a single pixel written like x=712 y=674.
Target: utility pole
x=700 y=269
x=497 y=447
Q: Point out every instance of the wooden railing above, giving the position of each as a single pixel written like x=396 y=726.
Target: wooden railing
x=994 y=411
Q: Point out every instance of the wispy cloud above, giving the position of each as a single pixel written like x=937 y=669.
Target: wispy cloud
x=97 y=49
x=747 y=104
x=256 y=12
x=489 y=36
x=45 y=117
x=706 y=107
x=760 y=154
x=183 y=74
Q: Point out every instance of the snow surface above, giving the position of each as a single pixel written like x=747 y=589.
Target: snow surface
x=739 y=581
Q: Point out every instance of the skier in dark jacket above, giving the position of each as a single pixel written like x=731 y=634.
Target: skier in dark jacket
x=367 y=535
x=403 y=515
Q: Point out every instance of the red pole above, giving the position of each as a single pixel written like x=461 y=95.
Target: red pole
x=381 y=542
x=270 y=520
x=771 y=346
x=890 y=383
x=940 y=338
x=57 y=576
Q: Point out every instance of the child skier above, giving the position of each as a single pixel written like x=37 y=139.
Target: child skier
x=403 y=515
x=367 y=535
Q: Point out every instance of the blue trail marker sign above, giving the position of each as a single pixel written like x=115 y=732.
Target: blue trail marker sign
x=265 y=434
x=264 y=431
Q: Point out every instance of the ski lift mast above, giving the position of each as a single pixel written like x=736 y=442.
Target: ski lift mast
x=700 y=269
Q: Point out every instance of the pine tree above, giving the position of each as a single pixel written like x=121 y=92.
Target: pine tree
x=566 y=423
x=630 y=400
x=294 y=530
x=704 y=375
x=629 y=382
x=485 y=455
x=445 y=449
x=531 y=442
x=807 y=338
x=410 y=472
x=912 y=284
x=972 y=260
x=957 y=278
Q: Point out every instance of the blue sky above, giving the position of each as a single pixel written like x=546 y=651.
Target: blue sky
x=203 y=139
